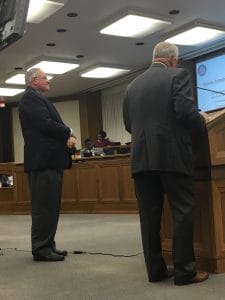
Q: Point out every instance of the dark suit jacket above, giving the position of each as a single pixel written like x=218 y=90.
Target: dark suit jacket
x=44 y=133
x=158 y=111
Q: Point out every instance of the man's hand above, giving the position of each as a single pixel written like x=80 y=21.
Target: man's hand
x=71 y=142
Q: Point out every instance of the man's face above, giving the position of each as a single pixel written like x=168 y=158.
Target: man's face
x=89 y=145
x=41 y=82
x=173 y=61
x=99 y=137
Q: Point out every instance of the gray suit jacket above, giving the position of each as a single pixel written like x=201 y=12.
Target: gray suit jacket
x=159 y=113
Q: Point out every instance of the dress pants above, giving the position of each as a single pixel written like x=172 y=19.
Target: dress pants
x=46 y=190
x=150 y=189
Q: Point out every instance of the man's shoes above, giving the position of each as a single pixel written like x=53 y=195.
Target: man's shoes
x=166 y=275
x=60 y=252
x=199 y=277
x=50 y=256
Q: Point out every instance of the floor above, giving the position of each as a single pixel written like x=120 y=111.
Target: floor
x=110 y=267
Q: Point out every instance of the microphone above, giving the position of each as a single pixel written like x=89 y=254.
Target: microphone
x=217 y=92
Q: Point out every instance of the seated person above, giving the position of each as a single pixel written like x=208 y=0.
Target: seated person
x=88 y=150
x=101 y=141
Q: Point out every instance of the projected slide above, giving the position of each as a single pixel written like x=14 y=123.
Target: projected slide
x=210 y=80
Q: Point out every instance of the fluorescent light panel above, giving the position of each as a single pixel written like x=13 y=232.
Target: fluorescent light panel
x=104 y=72
x=134 y=26
x=196 y=35
x=39 y=10
x=55 y=67
x=10 y=91
x=20 y=79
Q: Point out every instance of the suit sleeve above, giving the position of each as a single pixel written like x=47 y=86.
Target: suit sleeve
x=126 y=118
x=184 y=107
x=37 y=113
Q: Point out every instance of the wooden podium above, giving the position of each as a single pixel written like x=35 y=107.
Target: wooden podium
x=210 y=192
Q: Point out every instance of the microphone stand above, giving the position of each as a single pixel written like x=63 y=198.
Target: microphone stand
x=221 y=93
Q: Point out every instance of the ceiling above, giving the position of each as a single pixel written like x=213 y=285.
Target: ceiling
x=83 y=38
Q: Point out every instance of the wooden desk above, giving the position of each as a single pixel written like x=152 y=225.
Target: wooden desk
x=6 y=193
x=210 y=191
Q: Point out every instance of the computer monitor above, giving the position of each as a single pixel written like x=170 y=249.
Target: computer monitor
x=210 y=82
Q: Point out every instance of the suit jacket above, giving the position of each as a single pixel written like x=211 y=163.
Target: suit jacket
x=159 y=112
x=44 y=133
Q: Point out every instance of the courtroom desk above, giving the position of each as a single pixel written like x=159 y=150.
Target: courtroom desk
x=99 y=184
x=6 y=193
x=6 y=200
x=210 y=191
x=93 y=185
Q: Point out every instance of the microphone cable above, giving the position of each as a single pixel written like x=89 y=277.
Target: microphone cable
x=108 y=254
x=78 y=252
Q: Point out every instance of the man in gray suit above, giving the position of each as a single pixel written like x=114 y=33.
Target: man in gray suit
x=159 y=113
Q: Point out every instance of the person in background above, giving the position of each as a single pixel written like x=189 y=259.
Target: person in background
x=102 y=141
x=159 y=112
x=47 y=145
x=88 y=150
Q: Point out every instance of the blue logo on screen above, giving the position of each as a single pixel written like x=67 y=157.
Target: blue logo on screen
x=202 y=70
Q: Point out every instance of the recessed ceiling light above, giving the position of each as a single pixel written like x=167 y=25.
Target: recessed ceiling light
x=61 y=30
x=55 y=67
x=72 y=15
x=51 y=44
x=42 y=9
x=134 y=26
x=20 y=79
x=174 y=12
x=104 y=72
x=10 y=91
x=195 y=35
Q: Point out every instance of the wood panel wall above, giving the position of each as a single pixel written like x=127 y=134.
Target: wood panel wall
x=90 y=115
x=6 y=135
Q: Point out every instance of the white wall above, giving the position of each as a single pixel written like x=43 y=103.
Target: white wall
x=112 y=116
x=17 y=137
x=69 y=112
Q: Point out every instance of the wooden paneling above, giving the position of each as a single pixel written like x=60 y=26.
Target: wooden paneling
x=219 y=218
x=6 y=200
x=21 y=195
x=6 y=193
x=98 y=185
x=90 y=115
x=69 y=188
x=216 y=133
x=109 y=182
x=87 y=179
x=6 y=135
x=126 y=185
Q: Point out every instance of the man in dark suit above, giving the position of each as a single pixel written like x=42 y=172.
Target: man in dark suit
x=159 y=113
x=47 y=145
